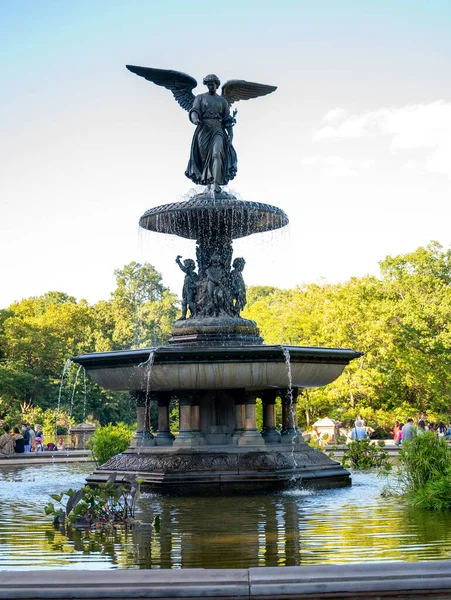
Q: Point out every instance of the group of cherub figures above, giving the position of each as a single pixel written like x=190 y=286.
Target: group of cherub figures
x=219 y=293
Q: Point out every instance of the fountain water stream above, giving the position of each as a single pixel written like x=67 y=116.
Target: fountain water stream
x=85 y=395
x=293 y=420
x=71 y=405
x=66 y=367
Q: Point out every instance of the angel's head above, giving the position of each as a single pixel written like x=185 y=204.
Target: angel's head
x=212 y=82
x=238 y=264
x=189 y=263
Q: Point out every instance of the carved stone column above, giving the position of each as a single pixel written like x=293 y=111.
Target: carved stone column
x=142 y=438
x=239 y=398
x=290 y=431
x=186 y=436
x=164 y=436
x=270 y=433
x=195 y=420
x=250 y=436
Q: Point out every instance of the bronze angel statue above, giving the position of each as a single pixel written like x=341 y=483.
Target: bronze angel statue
x=213 y=159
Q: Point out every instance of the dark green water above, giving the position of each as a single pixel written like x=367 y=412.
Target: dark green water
x=294 y=528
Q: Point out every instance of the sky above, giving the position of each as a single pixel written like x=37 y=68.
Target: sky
x=355 y=144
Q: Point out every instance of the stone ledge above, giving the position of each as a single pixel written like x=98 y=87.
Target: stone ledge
x=45 y=457
x=124 y=584
x=362 y=580
x=401 y=580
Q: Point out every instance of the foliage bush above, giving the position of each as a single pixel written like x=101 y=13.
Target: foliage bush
x=109 y=440
x=364 y=454
x=425 y=471
x=435 y=495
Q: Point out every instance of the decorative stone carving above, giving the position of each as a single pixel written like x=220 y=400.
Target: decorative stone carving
x=237 y=286
x=189 y=291
x=219 y=462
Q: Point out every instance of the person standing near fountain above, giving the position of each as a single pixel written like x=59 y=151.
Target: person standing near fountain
x=6 y=443
x=19 y=442
x=28 y=435
x=358 y=432
x=408 y=430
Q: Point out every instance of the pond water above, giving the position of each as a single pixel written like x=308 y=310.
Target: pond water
x=299 y=527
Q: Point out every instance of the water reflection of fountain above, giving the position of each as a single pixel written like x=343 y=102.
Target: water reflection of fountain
x=183 y=540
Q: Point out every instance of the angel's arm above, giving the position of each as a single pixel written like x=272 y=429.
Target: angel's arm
x=195 y=113
x=180 y=264
x=228 y=122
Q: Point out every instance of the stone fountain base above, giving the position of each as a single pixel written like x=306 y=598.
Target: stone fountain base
x=225 y=469
x=219 y=448
x=225 y=331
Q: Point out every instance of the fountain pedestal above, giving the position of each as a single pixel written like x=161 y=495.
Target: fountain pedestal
x=218 y=447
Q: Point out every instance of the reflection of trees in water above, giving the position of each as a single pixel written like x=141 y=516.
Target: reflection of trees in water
x=431 y=528
x=389 y=530
x=110 y=542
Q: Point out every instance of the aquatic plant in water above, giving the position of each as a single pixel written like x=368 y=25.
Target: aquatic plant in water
x=107 y=505
x=425 y=471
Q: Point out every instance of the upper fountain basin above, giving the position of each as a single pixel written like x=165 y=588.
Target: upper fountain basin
x=204 y=216
x=208 y=368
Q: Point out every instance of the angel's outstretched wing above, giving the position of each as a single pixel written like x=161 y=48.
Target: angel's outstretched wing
x=238 y=89
x=180 y=84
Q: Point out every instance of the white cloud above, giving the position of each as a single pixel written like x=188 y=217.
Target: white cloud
x=338 y=166
x=412 y=127
x=336 y=114
x=309 y=161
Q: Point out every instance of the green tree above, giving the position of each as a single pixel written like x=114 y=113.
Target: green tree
x=419 y=292
x=143 y=309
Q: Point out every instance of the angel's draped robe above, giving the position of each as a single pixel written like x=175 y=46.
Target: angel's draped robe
x=214 y=114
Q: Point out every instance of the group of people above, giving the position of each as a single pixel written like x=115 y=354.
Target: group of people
x=25 y=440
x=406 y=431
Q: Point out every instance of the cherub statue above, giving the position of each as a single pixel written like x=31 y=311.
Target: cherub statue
x=213 y=159
x=217 y=287
x=189 y=287
x=237 y=287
